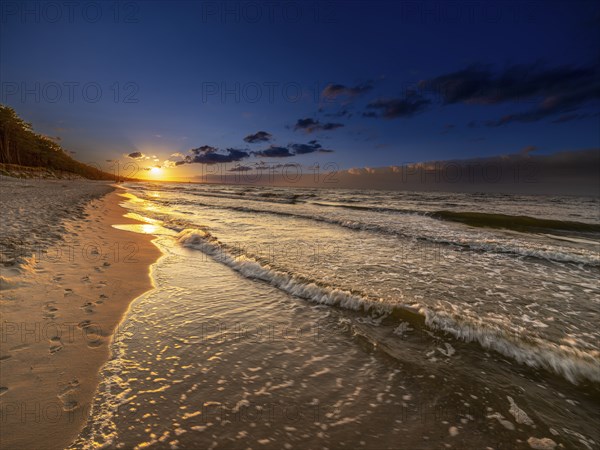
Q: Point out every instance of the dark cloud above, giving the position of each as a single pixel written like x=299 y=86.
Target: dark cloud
x=207 y=154
x=136 y=155
x=311 y=125
x=311 y=147
x=553 y=91
x=275 y=152
x=260 y=136
x=240 y=169
x=204 y=149
x=337 y=90
x=293 y=150
x=211 y=155
x=408 y=106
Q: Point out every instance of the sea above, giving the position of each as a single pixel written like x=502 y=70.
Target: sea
x=292 y=318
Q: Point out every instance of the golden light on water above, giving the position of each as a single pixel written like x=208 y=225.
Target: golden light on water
x=144 y=228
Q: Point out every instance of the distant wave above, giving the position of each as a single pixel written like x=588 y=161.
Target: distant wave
x=572 y=364
x=504 y=248
x=517 y=223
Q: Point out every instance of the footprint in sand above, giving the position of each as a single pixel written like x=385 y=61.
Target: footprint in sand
x=68 y=292
x=50 y=310
x=49 y=306
x=84 y=323
x=89 y=307
x=3 y=390
x=5 y=357
x=94 y=335
x=86 y=279
x=57 y=278
x=55 y=344
x=68 y=395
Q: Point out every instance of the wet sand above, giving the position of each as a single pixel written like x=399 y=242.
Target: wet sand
x=60 y=308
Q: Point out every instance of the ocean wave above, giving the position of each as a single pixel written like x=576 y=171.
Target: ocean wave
x=572 y=364
x=506 y=247
x=516 y=223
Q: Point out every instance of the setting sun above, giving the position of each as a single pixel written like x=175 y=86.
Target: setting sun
x=155 y=170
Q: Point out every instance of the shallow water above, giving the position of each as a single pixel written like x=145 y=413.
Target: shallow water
x=293 y=319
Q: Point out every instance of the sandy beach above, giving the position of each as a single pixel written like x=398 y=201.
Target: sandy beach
x=68 y=277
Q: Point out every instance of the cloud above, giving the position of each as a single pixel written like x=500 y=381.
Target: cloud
x=332 y=91
x=407 y=106
x=207 y=154
x=275 y=152
x=567 y=172
x=259 y=136
x=136 y=155
x=309 y=125
x=553 y=91
x=240 y=169
x=293 y=150
x=311 y=147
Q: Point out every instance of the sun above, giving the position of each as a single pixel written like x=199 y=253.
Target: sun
x=155 y=170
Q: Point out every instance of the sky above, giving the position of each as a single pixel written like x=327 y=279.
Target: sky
x=185 y=86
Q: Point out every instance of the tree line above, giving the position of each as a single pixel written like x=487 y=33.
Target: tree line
x=22 y=146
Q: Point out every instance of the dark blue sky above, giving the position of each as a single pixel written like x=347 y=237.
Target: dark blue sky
x=383 y=82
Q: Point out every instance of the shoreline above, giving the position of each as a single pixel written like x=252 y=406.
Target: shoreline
x=60 y=310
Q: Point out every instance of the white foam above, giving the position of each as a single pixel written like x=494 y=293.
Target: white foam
x=572 y=364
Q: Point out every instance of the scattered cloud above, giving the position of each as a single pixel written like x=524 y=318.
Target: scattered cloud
x=309 y=125
x=259 y=136
x=275 y=152
x=407 y=106
x=552 y=90
x=207 y=154
x=135 y=155
x=311 y=147
x=333 y=91
x=240 y=169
